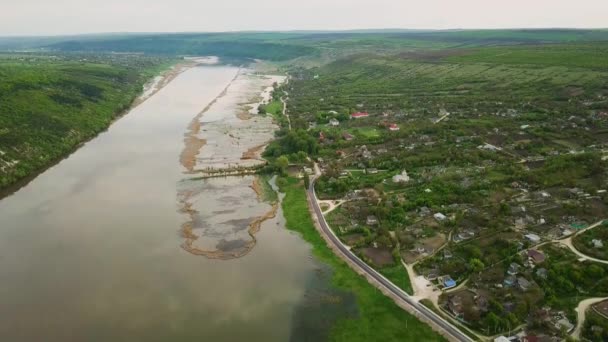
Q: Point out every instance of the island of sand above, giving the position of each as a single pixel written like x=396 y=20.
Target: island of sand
x=228 y=134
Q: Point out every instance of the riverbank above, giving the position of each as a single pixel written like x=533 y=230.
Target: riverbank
x=83 y=118
x=380 y=319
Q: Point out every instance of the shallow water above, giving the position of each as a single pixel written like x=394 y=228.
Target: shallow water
x=90 y=250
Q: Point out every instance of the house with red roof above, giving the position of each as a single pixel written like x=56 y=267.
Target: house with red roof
x=359 y=115
x=393 y=127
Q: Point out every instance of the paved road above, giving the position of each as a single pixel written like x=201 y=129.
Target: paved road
x=422 y=310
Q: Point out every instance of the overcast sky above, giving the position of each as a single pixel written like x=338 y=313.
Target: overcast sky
x=52 y=17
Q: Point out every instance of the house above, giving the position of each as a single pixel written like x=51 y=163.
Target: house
x=359 y=115
x=402 y=178
x=432 y=274
x=532 y=238
x=393 y=127
x=347 y=136
x=536 y=256
x=455 y=306
x=371 y=220
x=447 y=282
x=334 y=122
x=344 y=173
x=424 y=211
x=597 y=243
x=510 y=281
x=565 y=324
x=541 y=273
x=513 y=269
x=523 y=283
x=501 y=339
x=371 y=171
x=447 y=254
x=440 y=217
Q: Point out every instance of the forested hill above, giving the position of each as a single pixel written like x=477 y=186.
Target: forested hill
x=191 y=44
x=282 y=46
x=51 y=104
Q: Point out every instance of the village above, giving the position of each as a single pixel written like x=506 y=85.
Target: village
x=489 y=215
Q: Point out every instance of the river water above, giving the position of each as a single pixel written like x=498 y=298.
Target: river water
x=91 y=250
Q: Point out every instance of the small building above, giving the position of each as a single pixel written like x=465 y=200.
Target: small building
x=509 y=281
x=565 y=324
x=536 y=256
x=424 y=211
x=347 y=136
x=432 y=274
x=334 y=122
x=513 y=269
x=393 y=128
x=532 y=238
x=401 y=178
x=440 y=217
x=597 y=243
x=523 y=284
x=482 y=303
x=371 y=171
x=359 y=115
x=501 y=339
x=541 y=273
x=371 y=220
x=447 y=254
x=447 y=282
x=455 y=306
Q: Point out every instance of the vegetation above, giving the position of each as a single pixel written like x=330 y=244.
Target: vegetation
x=498 y=143
x=380 y=319
x=51 y=104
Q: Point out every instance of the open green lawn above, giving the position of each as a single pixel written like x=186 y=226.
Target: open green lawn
x=380 y=318
x=398 y=276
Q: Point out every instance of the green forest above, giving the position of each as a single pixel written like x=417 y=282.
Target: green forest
x=49 y=104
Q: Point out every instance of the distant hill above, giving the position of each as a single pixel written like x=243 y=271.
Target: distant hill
x=280 y=46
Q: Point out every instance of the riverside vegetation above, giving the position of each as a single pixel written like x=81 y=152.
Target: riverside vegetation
x=49 y=104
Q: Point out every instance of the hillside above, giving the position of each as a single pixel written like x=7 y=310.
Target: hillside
x=49 y=105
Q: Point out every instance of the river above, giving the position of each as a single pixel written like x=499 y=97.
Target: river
x=92 y=249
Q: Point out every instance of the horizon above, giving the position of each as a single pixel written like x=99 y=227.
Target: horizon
x=359 y=30
x=71 y=17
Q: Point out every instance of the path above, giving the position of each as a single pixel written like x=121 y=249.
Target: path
x=568 y=243
x=284 y=102
x=580 y=310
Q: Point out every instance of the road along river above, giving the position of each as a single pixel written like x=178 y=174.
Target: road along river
x=94 y=248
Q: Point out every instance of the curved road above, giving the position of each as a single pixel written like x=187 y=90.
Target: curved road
x=422 y=310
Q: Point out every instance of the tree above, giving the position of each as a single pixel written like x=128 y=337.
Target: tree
x=476 y=265
x=281 y=164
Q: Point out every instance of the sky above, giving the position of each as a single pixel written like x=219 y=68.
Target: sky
x=58 y=17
